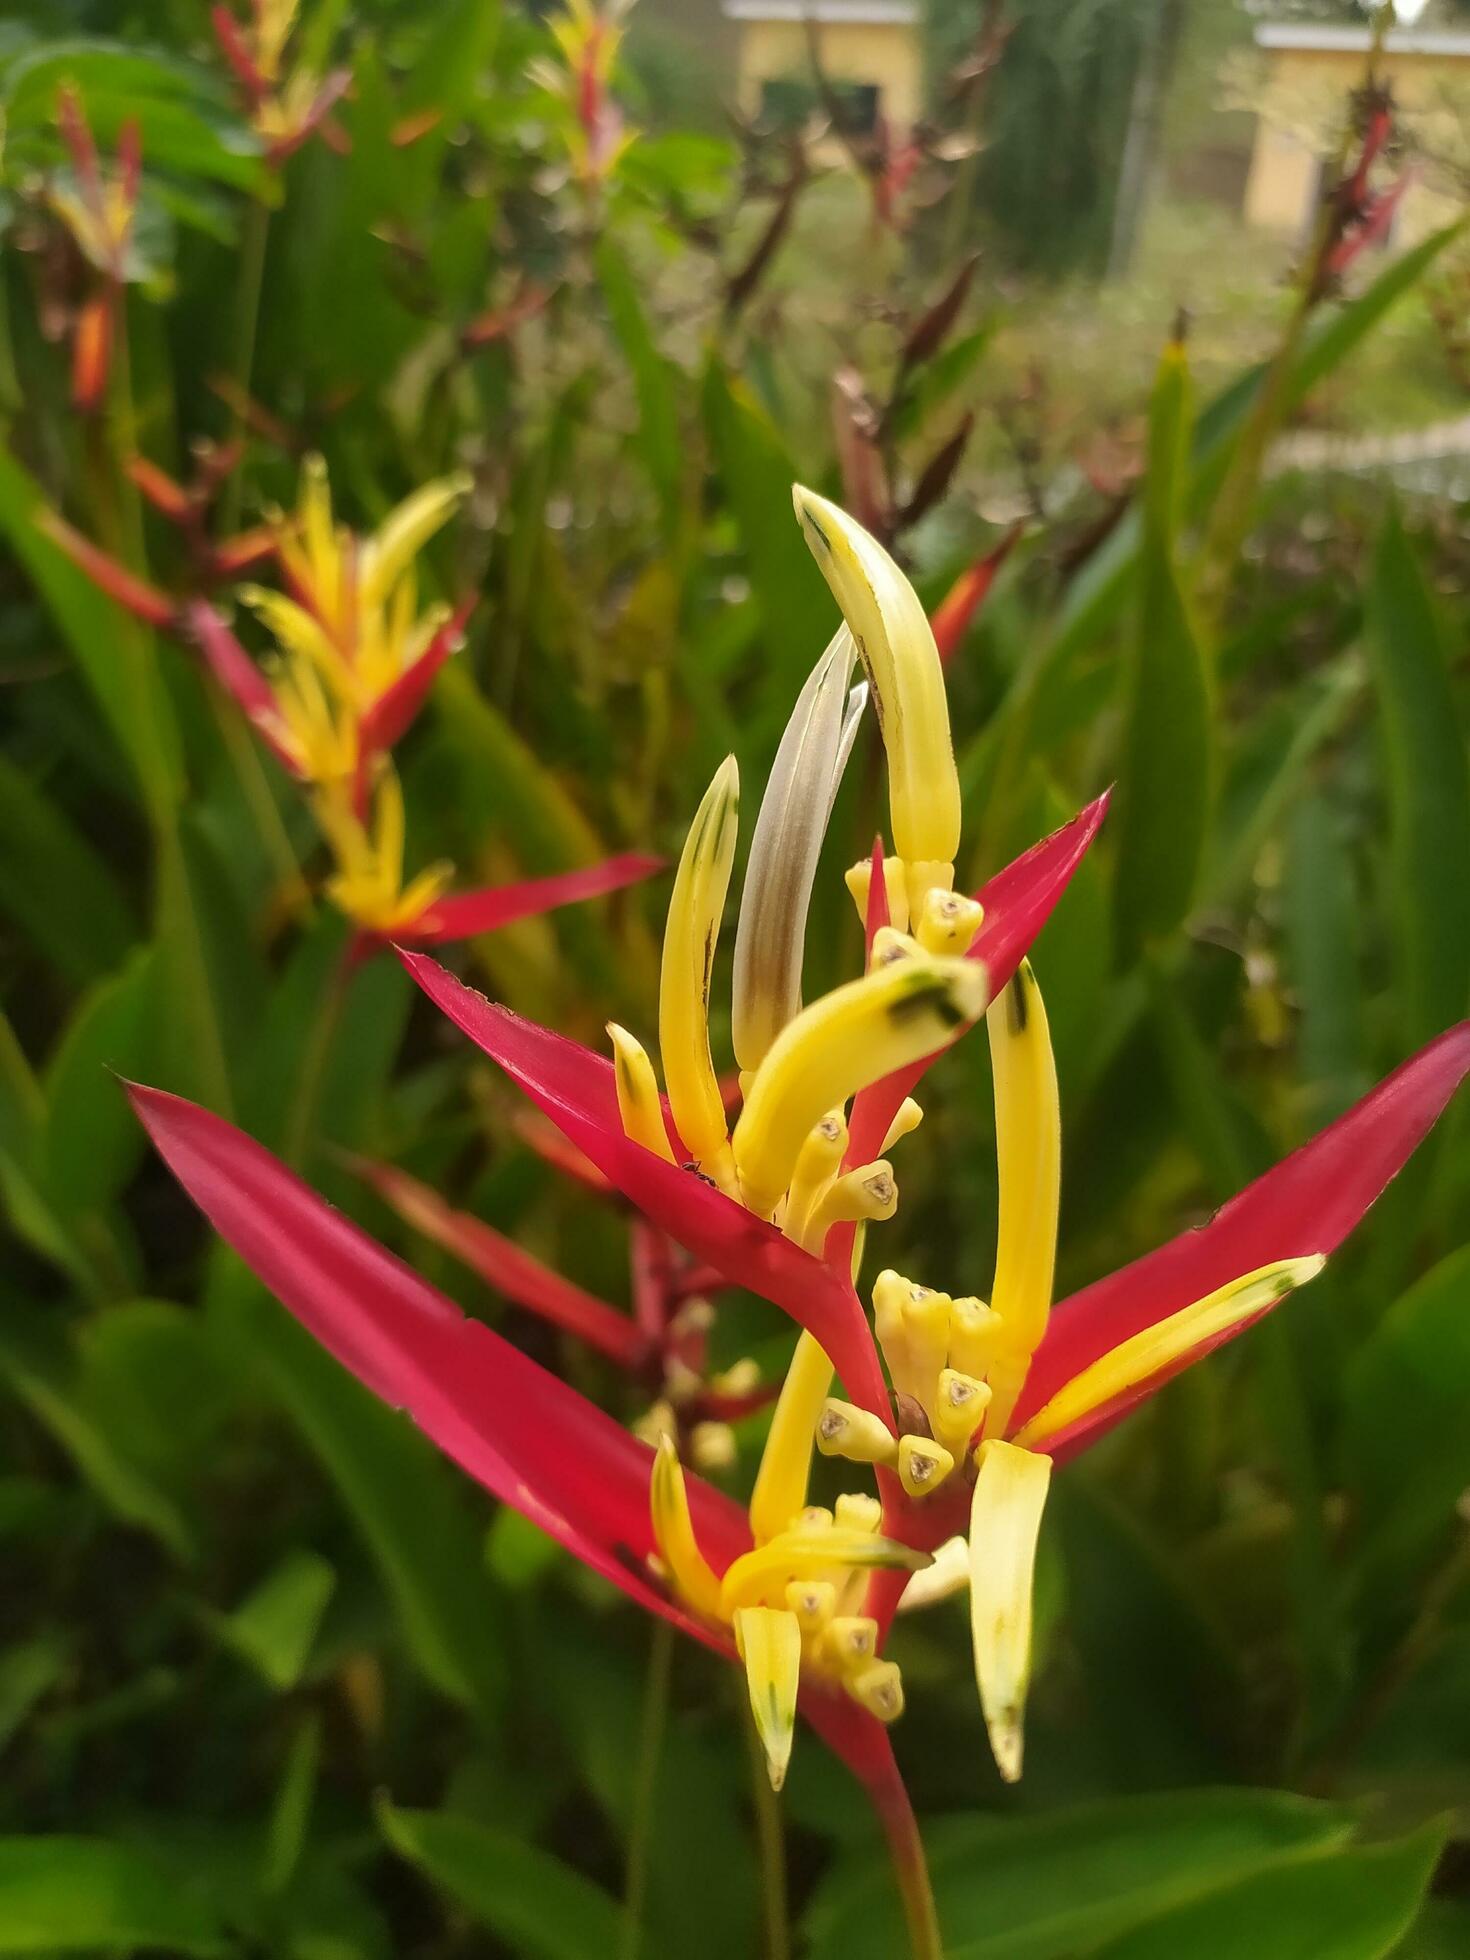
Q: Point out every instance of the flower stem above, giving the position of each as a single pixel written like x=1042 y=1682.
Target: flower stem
x=770 y=1839
x=312 y=1073
x=254 y=233
x=650 y=1750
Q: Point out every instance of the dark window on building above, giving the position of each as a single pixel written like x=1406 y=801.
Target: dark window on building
x=789 y=101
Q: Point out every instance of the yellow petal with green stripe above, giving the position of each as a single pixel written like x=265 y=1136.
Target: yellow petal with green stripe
x=638 y=1098
x=839 y=1044
x=769 y=1642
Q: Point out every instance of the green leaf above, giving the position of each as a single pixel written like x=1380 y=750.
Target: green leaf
x=1165 y=769
x=1428 y=786
x=537 y=1905
x=418 y=1525
x=91 y=1142
x=1405 y=1444
x=654 y=380
x=758 y=474
x=1320 y=914
x=55 y=887
x=1356 y=1905
x=42 y=1371
x=28 y=1671
x=1058 y=1885
x=290 y=1819
x=276 y=1627
x=113 y=651
x=62 y=1893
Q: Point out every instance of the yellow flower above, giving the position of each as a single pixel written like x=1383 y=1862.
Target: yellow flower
x=367 y=884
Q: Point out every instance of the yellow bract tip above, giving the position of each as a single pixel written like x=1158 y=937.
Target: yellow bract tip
x=1005 y=1519
x=896 y=646
x=769 y=1642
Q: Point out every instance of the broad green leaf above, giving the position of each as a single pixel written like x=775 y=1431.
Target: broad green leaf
x=28 y=1671
x=1428 y=788
x=91 y=1142
x=1058 y=1885
x=1321 y=918
x=1354 y=1905
x=413 y=1515
x=276 y=1626
x=115 y=653
x=1405 y=1442
x=59 y=1894
x=154 y=1378
x=290 y=1819
x=757 y=472
x=54 y=887
x=37 y=1363
x=654 y=381
x=540 y=1907
x=1166 y=759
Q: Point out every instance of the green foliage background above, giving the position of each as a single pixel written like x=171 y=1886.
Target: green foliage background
x=273 y=1679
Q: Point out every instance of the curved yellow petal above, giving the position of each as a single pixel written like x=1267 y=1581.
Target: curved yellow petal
x=690 y=937
x=1005 y=1520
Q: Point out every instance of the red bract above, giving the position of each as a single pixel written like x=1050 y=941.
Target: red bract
x=535 y=1443
x=1018 y=901
x=1308 y=1203
x=575 y=1088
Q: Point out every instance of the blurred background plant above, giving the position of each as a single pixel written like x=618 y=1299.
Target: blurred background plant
x=270 y=1680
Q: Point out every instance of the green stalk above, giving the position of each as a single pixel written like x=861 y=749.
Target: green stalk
x=312 y=1074
x=651 y=1728
x=254 y=234
x=770 y=1838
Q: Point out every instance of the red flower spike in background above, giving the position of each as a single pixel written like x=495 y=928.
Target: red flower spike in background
x=99 y=214
x=956 y=611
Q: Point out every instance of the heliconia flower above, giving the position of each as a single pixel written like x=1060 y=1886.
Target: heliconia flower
x=775 y=1599
x=350 y=627
x=776 y=1189
x=98 y=209
x=367 y=884
x=285 y=109
x=588 y=36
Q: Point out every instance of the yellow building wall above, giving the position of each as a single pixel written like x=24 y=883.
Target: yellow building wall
x=886 y=55
x=1300 y=116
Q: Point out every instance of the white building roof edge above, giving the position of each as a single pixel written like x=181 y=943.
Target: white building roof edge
x=829 y=13
x=1356 y=40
